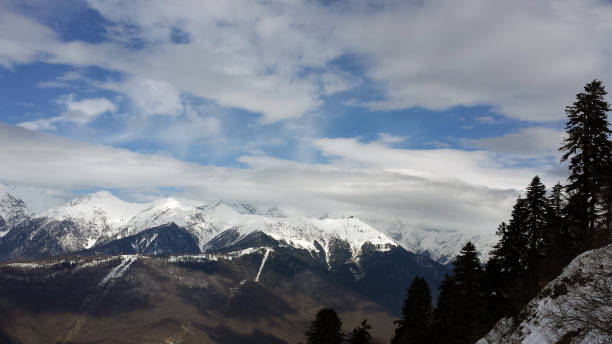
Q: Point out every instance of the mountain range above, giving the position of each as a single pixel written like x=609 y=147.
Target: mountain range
x=98 y=218
x=78 y=272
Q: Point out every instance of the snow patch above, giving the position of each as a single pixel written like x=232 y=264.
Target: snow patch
x=562 y=307
x=263 y=262
x=120 y=269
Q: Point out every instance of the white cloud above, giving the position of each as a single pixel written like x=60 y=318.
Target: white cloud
x=149 y=97
x=535 y=141
x=527 y=59
x=390 y=139
x=482 y=168
x=441 y=189
x=79 y=112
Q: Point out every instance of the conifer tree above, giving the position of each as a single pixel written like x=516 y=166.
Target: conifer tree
x=461 y=304
x=537 y=212
x=444 y=313
x=587 y=149
x=416 y=313
x=361 y=334
x=606 y=198
x=554 y=235
x=326 y=328
x=511 y=251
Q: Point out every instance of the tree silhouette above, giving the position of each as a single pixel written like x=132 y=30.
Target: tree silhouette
x=587 y=147
x=326 y=328
x=416 y=313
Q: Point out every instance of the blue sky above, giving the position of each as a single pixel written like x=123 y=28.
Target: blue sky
x=469 y=96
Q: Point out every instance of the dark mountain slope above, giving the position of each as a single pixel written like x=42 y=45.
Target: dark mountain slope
x=188 y=299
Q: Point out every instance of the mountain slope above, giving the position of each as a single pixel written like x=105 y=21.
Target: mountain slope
x=162 y=240
x=12 y=212
x=256 y=296
x=441 y=246
x=576 y=307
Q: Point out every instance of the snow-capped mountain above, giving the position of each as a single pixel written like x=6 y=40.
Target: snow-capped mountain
x=91 y=217
x=98 y=218
x=441 y=246
x=574 y=308
x=12 y=212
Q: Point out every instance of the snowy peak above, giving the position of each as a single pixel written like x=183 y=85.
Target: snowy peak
x=163 y=211
x=12 y=212
x=101 y=205
x=99 y=218
x=441 y=246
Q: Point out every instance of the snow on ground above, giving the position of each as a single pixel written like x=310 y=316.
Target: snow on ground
x=119 y=270
x=32 y=265
x=216 y=256
x=263 y=262
x=95 y=263
x=576 y=307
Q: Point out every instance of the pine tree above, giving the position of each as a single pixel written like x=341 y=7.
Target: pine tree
x=537 y=212
x=511 y=251
x=461 y=304
x=587 y=149
x=606 y=198
x=554 y=235
x=361 y=334
x=416 y=313
x=444 y=327
x=326 y=328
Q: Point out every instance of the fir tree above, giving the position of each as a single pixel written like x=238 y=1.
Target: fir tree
x=416 y=313
x=554 y=235
x=511 y=251
x=326 y=328
x=537 y=212
x=587 y=149
x=606 y=198
x=461 y=304
x=444 y=327
x=361 y=334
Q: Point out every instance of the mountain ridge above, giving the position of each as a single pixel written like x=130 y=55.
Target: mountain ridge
x=100 y=217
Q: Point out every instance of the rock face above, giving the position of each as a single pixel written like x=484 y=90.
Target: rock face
x=576 y=307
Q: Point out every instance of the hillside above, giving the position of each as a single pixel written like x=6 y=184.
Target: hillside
x=574 y=308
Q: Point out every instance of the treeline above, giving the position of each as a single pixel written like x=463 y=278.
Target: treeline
x=546 y=230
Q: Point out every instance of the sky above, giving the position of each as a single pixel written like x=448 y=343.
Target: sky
x=435 y=113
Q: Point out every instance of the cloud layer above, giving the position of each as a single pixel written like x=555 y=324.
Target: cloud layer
x=435 y=189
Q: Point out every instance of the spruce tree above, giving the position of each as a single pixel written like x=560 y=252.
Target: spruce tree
x=537 y=213
x=361 y=334
x=416 y=313
x=587 y=149
x=445 y=328
x=326 y=328
x=511 y=251
x=461 y=304
x=606 y=198
x=554 y=235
